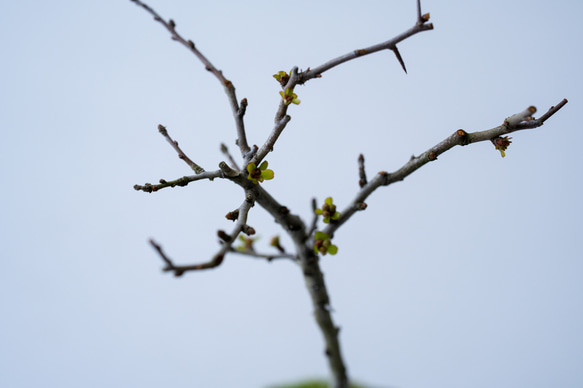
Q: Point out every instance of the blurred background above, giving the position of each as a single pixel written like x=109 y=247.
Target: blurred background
x=467 y=274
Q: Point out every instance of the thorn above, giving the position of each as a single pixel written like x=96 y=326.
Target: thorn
x=399 y=58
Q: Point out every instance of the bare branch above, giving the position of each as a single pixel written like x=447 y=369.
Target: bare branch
x=185 y=180
x=197 y=169
x=540 y=121
x=179 y=270
x=228 y=240
x=281 y=118
x=267 y=147
x=266 y=256
x=238 y=112
x=460 y=137
x=388 y=45
x=314 y=279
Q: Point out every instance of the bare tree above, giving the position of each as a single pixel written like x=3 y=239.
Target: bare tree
x=310 y=240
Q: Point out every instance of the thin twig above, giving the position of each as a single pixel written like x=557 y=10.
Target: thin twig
x=460 y=137
x=227 y=242
x=181 y=182
x=225 y=151
x=281 y=118
x=197 y=169
x=390 y=44
x=267 y=256
x=229 y=87
x=267 y=147
x=540 y=121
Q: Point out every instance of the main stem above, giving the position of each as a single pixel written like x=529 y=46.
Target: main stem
x=313 y=276
x=314 y=279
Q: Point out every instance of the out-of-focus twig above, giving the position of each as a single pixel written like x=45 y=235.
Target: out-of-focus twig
x=266 y=256
x=225 y=151
x=238 y=111
x=227 y=242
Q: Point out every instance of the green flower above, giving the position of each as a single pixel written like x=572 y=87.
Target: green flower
x=289 y=97
x=501 y=143
x=328 y=211
x=323 y=244
x=246 y=244
x=274 y=242
x=260 y=174
x=282 y=77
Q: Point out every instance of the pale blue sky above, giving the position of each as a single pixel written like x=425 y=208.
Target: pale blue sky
x=467 y=274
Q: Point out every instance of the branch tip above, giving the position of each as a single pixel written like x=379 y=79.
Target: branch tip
x=242 y=107
x=552 y=110
x=361 y=171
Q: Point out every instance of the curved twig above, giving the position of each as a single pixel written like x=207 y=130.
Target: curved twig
x=227 y=242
